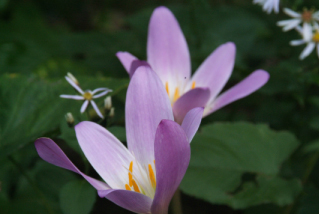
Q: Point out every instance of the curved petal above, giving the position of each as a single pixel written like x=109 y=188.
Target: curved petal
x=97 y=110
x=307 y=50
x=73 y=97
x=172 y=155
x=297 y=42
x=130 y=200
x=106 y=154
x=215 y=71
x=147 y=104
x=192 y=121
x=51 y=153
x=247 y=86
x=74 y=85
x=126 y=59
x=291 y=13
x=100 y=89
x=167 y=50
x=84 y=106
x=197 y=97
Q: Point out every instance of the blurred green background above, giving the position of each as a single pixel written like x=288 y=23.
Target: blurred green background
x=257 y=155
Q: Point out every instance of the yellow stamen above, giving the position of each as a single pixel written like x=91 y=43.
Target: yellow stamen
x=176 y=94
x=130 y=174
x=166 y=86
x=136 y=189
x=315 y=37
x=87 y=95
x=193 y=84
x=152 y=175
x=127 y=187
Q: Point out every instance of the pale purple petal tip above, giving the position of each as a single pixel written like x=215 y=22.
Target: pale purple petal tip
x=171 y=164
x=147 y=104
x=50 y=152
x=129 y=200
x=135 y=64
x=192 y=121
x=215 y=71
x=167 y=50
x=247 y=86
x=126 y=59
x=108 y=156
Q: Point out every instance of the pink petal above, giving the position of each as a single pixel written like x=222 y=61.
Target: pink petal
x=126 y=59
x=192 y=121
x=50 y=152
x=215 y=71
x=247 y=86
x=172 y=155
x=130 y=200
x=106 y=154
x=147 y=104
x=167 y=50
x=197 y=97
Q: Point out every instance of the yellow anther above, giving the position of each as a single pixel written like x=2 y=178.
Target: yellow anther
x=315 y=37
x=130 y=174
x=152 y=175
x=87 y=95
x=166 y=86
x=176 y=94
x=136 y=189
x=193 y=84
x=127 y=187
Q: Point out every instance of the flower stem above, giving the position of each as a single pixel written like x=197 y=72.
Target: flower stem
x=33 y=185
x=177 y=203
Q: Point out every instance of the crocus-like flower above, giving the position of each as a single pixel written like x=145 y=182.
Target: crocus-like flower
x=144 y=177
x=168 y=56
x=308 y=16
x=268 y=5
x=87 y=95
x=310 y=37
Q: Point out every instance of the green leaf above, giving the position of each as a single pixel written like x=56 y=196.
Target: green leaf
x=31 y=108
x=77 y=197
x=223 y=154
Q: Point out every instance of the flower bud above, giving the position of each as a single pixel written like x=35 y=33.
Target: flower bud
x=108 y=103
x=111 y=112
x=69 y=119
x=73 y=78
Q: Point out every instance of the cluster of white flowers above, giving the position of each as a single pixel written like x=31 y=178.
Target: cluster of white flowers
x=305 y=23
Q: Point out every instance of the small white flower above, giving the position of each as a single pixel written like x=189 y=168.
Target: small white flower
x=308 y=16
x=88 y=96
x=268 y=5
x=310 y=37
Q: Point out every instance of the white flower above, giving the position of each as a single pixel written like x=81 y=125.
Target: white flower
x=310 y=37
x=88 y=96
x=268 y=5
x=308 y=16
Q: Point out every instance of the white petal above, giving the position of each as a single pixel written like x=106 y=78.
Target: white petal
x=84 y=106
x=96 y=109
x=100 y=89
x=74 y=97
x=307 y=32
x=292 y=13
x=101 y=94
x=308 y=49
x=297 y=42
x=74 y=85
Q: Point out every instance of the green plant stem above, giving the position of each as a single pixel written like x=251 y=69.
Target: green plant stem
x=310 y=166
x=33 y=185
x=177 y=203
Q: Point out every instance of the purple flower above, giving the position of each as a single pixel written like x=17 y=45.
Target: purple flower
x=143 y=177
x=168 y=55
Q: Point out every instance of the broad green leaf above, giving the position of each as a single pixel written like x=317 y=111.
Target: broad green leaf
x=223 y=154
x=77 y=197
x=30 y=108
